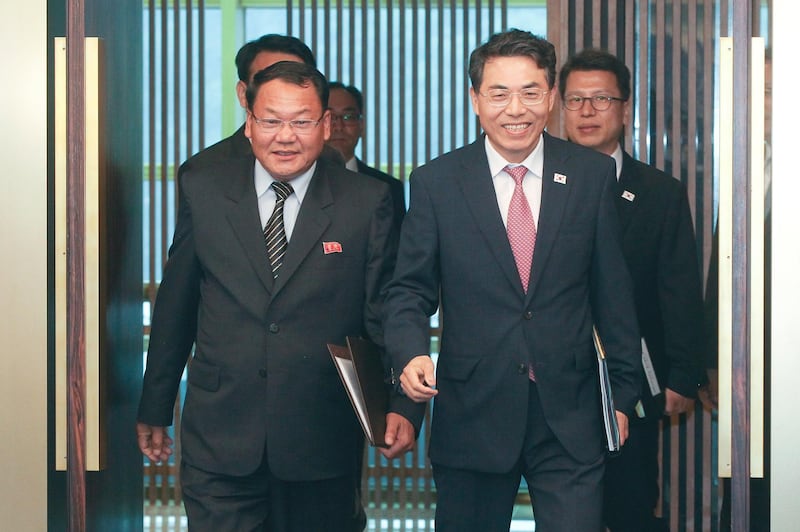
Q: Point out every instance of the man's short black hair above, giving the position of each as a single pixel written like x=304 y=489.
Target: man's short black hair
x=513 y=43
x=354 y=92
x=300 y=74
x=271 y=43
x=594 y=59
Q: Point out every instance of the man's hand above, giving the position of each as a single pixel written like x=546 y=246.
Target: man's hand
x=418 y=379
x=622 y=421
x=709 y=394
x=154 y=442
x=675 y=403
x=399 y=436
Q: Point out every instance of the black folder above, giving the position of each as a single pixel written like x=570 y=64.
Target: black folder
x=606 y=397
x=360 y=367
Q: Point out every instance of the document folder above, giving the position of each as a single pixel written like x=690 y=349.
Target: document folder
x=361 y=369
x=606 y=397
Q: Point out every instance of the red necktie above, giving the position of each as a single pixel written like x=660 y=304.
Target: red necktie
x=520 y=226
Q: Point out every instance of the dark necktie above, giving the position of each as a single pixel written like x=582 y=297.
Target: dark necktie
x=274 y=232
x=520 y=226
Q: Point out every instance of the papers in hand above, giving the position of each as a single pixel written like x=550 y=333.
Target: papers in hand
x=606 y=397
x=361 y=371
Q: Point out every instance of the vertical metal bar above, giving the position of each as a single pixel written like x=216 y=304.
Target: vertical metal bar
x=659 y=83
x=441 y=76
x=76 y=290
x=580 y=24
x=189 y=83
x=314 y=29
x=428 y=81
x=390 y=80
x=340 y=32
x=365 y=68
x=376 y=73
x=403 y=68
x=151 y=148
x=455 y=79
x=676 y=83
x=201 y=74
x=176 y=95
x=691 y=127
x=301 y=31
x=630 y=60
x=465 y=94
x=352 y=32
x=327 y=43
x=611 y=29
x=643 y=103
x=163 y=183
x=415 y=85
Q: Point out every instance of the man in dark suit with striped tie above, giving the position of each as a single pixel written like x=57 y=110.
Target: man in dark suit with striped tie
x=269 y=438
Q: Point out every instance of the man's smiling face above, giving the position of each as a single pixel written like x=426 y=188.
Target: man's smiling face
x=513 y=129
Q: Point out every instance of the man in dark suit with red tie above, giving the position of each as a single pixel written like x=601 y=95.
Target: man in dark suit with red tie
x=516 y=237
x=659 y=246
x=269 y=439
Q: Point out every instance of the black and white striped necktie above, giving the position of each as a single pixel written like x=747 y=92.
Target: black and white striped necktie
x=274 y=232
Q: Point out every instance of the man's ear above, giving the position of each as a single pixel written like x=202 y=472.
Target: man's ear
x=241 y=93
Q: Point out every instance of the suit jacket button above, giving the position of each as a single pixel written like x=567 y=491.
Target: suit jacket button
x=528 y=315
x=522 y=369
x=262 y=373
x=273 y=328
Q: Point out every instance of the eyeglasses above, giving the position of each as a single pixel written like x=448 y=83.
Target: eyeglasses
x=272 y=125
x=599 y=102
x=502 y=97
x=346 y=118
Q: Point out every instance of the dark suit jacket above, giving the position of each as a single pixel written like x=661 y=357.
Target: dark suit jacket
x=454 y=242
x=235 y=146
x=659 y=246
x=398 y=191
x=261 y=376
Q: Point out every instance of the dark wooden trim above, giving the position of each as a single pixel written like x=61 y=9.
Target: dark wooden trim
x=76 y=304
x=740 y=362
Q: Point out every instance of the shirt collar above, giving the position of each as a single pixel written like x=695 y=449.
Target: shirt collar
x=534 y=162
x=263 y=181
x=617 y=156
x=352 y=164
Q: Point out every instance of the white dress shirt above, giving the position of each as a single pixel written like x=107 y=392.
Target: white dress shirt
x=504 y=183
x=266 y=197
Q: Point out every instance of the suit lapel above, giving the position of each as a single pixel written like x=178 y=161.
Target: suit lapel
x=312 y=221
x=555 y=193
x=245 y=220
x=476 y=185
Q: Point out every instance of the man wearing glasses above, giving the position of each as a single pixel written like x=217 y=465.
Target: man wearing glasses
x=658 y=241
x=275 y=255
x=516 y=237
x=346 y=105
